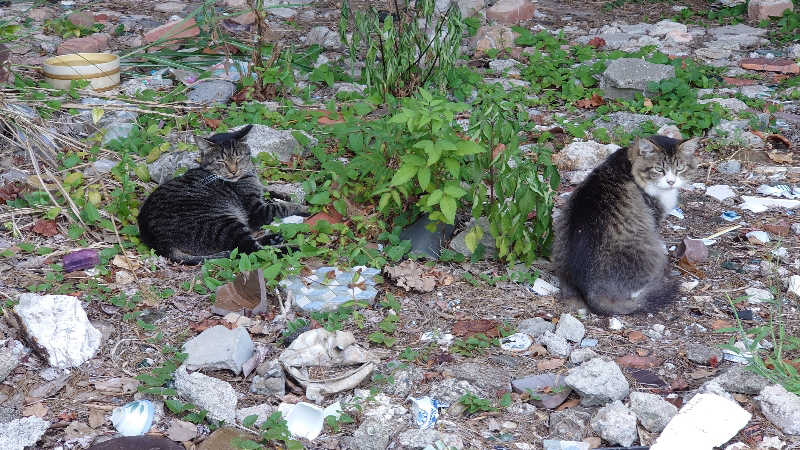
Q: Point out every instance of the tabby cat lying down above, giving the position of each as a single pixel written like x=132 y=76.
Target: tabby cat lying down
x=212 y=209
x=607 y=250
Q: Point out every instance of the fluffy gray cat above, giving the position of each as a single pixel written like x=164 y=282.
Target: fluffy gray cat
x=607 y=250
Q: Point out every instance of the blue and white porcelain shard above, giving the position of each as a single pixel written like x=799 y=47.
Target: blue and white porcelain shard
x=516 y=342
x=323 y=292
x=425 y=411
x=730 y=216
x=305 y=420
x=677 y=212
x=134 y=418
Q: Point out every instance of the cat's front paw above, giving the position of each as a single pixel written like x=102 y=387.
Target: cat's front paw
x=271 y=240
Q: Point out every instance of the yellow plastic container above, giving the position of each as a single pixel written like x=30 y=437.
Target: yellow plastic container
x=100 y=69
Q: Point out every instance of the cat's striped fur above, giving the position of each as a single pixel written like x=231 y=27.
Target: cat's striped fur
x=607 y=248
x=212 y=209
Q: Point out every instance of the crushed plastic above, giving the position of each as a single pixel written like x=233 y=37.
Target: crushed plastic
x=730 y=216
x=328 y=288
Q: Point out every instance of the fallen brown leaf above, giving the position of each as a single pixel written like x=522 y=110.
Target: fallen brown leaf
x=636 y=336
x=538 y=350
x=700 y=374
x=325 y=120
x=549 y=364
x=571 y=403
x=720 y=324
x=590 y=103
x=37 y=409
x=474 y=326
x=46 y=227
x=597 y=42
x=780 y=157
x=212 y=123
x=638 y=362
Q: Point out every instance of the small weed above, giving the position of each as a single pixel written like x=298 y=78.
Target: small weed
x=473 y=345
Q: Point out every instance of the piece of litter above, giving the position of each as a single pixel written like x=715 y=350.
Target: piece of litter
x=134 y=418
x=425 y=411
x=758 y=237
x=517 y=342
x=761 y=204
x=730 y=216
x=720 y=233
x=677 y=212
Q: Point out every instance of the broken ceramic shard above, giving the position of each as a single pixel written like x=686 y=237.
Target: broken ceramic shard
x=57 y=327
x=327 y=288
x=134 y=418
x=219 y=348
x=425 y=411
x=81 y=259
x=247 y=294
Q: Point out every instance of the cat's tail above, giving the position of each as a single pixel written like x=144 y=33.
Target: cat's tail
x=608 y=301
x=666 y=293
x=193 y=260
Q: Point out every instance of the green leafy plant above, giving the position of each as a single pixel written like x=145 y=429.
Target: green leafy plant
x=409 y=48
x=475 y=404
x=473 y=345
x=66 y=29
x=271 y=431
x=778 y=364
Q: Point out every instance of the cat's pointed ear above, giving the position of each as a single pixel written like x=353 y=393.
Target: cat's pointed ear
x=643 y=147
x=241 y=133
x=204 y=145
x=688 y=148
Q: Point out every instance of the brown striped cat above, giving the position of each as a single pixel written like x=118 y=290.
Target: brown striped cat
x=212 y=209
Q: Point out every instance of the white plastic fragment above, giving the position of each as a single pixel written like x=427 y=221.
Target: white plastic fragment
x=305 y=420
x=761 y=204
x=134 y=418
x=720 y=192
x=707 y=421
x=541 y=287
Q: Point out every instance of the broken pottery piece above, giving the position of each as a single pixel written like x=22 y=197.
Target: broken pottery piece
x=247 y=294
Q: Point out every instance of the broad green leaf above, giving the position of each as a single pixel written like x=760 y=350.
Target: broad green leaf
x=320 y=198
x=97 y=114
x=448 y=207
x=425 y=145
x=435 y=197
x=452 y=166
x=403 y=174
x=434 y=153
x=454 y=190
x=53 y=212
x=469 y=148
x=424 y=176
x=249 y=420
x=384 y=201
x=473 y=237
x=271 y=272
x=73 y=179
x=142 y=172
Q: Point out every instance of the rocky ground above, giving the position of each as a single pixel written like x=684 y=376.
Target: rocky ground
x=445 y=355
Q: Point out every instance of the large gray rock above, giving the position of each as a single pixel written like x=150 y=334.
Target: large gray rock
x=740 y=380
x=556 y=345
x=416 y=438
x=324 y=37
x=381 y=421
x=702 y=354
x=485 y=377
x=570 y=328
x=781 y=407
x=598 y=382
x=616 y=424
x=270 y=379
x=630 y=122
x=571 y=424
x=163 y=169
x=262 y=411
x=219 y=348
x=580 y=155
x=535 y=327
x=537 y=385
x=21 y=433
x=459 y=243
x=211 y=92
x=57 y=327
x=215 y=396
x=625 y=77
x=653 y=411
x=9 y=359
x=281 y=144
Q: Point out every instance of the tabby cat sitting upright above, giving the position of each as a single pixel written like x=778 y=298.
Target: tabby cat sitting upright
x=212 y=209
x=607 y=249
